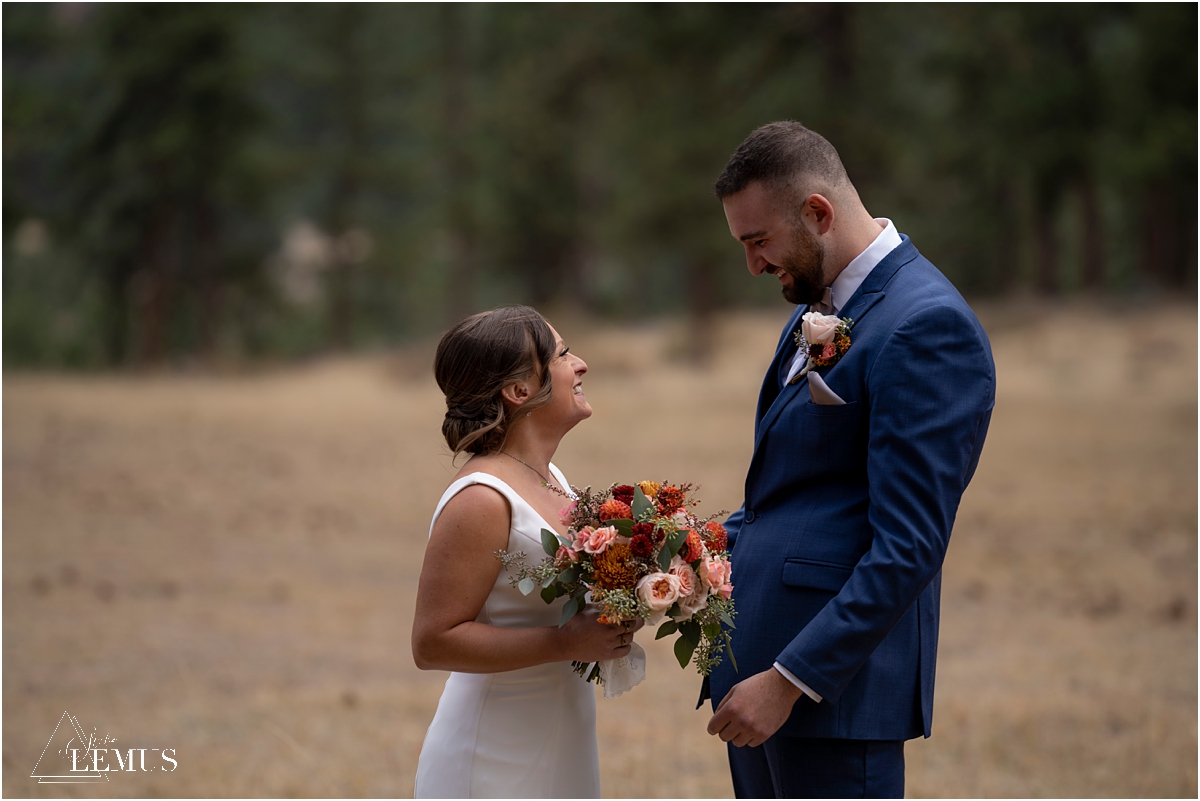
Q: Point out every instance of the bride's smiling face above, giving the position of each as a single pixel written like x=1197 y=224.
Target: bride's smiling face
x=567 y=401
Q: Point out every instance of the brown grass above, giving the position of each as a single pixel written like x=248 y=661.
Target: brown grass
x=227 y=566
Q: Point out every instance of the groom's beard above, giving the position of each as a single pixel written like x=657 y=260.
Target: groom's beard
x=805 y=263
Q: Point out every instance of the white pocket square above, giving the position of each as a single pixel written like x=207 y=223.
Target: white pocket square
x=820 y=393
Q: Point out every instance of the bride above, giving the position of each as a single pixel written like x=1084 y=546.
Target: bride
x=514 y=720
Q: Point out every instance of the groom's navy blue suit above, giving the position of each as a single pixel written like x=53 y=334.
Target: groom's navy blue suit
x=838 y=548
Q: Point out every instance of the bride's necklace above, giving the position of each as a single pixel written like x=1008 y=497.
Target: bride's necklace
x=527 y=464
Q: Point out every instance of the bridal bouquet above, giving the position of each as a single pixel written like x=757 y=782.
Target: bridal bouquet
x=639 y=552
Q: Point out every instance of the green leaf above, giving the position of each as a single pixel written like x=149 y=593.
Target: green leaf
x=570 y=575
x=624 y=527
x=677 y=539
x=664 y=558
x=732 y=661
x=525 y=585
x=549 y=542
x=666 y=629
x=548 y=581
x=569 y=610
x=674 y=610
x=690 y=629
x=712 y=631
x=641 y=504
x=549 y=594
x=727 y=620
x=683 y=650
x=564 y=540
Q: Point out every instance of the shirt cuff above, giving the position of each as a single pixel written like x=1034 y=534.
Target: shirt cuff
x=804 y=688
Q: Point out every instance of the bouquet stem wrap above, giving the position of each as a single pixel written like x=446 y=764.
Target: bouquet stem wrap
x=623 y=674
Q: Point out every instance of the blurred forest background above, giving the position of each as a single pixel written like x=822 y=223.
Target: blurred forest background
x=216 y=184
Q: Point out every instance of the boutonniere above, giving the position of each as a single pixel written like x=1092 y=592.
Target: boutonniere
x=824 y=338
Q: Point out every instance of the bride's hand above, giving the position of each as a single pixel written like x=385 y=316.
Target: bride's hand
x=586 y=639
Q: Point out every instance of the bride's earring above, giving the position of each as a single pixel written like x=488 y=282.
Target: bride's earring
x=527 y=414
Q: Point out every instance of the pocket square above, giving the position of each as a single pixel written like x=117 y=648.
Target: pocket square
x=820 y=393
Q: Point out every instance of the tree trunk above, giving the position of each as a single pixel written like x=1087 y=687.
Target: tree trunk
x=1093 y=234
x=455 y=74
x=348 y=179
x=152 y=287
x=208 y=278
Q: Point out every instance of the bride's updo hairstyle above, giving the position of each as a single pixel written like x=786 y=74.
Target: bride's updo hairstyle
x=480 y=356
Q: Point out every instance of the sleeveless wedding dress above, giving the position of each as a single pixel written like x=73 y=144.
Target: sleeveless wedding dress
x=528 y=733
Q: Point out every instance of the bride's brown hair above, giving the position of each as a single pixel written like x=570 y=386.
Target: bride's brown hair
x=480 y=356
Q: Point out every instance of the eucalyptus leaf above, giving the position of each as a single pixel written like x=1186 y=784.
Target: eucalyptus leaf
x=549 y=541
x=641 y=504
x=548 y=581
x=677 y=540
x=690 y=629
x=664 y=558
x=668 y=628
x=564 y=540
x=727 y=620
x=712 y=630
x=525 y=585
x=624 y=527
x=568 y=612
x=570 y=575
x=732 y=661
x=549 y=594
x=674 y=610
x=683 y=650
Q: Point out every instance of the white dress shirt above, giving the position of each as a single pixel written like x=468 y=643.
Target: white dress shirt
x=849 y=280
x=842 y=288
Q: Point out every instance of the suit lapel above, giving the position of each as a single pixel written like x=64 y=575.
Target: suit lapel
x=868 y=294
x=773 y=380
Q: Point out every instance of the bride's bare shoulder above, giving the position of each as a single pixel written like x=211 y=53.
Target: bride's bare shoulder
x=477 y=511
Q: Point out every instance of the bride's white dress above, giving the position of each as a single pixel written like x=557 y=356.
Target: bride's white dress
x=528 y=733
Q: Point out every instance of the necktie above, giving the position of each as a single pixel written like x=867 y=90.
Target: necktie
x=825 y=304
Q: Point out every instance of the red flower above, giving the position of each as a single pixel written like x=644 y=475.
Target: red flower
x=716 y=536
x=692 y=548
x=641 y=545
x=669 y=500
x=615 y=510
x=642 y=528
x=623 y=493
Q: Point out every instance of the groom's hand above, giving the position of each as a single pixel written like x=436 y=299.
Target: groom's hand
x=754 y=709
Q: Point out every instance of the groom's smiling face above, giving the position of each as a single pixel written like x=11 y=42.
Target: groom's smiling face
x=777 y=242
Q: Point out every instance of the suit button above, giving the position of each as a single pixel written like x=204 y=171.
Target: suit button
x=749 y=516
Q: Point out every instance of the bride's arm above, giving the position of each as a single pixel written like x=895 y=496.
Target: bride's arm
x=459 y=572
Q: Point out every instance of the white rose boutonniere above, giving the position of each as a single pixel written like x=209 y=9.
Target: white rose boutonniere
x=824 y=338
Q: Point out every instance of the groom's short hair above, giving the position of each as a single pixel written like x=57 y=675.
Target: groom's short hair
x=782 y=155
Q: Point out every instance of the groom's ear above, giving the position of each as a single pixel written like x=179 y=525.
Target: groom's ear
x=818 y=212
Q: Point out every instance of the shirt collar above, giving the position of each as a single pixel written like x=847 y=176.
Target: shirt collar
x=851 y=278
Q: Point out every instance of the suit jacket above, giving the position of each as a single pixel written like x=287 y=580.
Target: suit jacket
x=837 y=551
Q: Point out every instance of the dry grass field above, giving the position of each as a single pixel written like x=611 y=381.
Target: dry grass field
x=226 y=565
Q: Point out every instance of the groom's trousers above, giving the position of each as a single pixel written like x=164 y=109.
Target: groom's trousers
x=803 y=767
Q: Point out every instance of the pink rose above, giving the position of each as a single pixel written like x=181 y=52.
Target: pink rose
x=829 y=352
x=693 y=595
x=600 y=540
x=566 y=515
x=660 y=591
x=715 y=571
x=582 y=537
x=818 y=329
x=726 y=591
x=566 y=554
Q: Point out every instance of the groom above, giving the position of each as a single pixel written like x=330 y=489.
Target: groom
x=860 y=460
